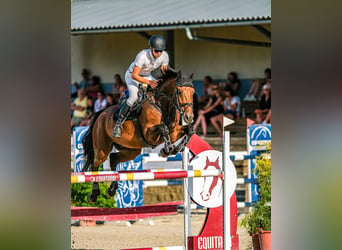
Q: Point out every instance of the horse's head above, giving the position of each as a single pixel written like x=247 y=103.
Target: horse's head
x=177 y=88
x=184 y=92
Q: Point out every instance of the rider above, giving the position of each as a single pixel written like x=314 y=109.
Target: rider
x=140 y=72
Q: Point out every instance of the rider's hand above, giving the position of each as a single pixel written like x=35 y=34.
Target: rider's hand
x=153 y=83
x=164 y=68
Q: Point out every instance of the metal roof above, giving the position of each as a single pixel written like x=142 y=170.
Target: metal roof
x=130 y=15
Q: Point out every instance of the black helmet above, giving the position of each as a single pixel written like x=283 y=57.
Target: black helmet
x=157 y=42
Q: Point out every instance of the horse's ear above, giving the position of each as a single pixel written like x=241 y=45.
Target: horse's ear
x=179 y=74
x=191 y=76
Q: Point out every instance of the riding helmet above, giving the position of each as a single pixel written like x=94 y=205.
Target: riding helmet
x=157 y=42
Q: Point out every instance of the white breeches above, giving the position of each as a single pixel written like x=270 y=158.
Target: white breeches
x=133 y=87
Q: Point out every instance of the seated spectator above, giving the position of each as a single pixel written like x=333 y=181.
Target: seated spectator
x=110 y=99
x=268 y=118
x=212 y=108
x=265 y=105
x=79 y=108
x=119 y=88
x=101 y=102
x=94 y=86
x=231 y=109
x=90 y=112
x=255 y=91
x=233 y=82
x=207 y=81
x=83 y=83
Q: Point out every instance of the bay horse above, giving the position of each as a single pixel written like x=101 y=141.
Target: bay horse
x=165 y=116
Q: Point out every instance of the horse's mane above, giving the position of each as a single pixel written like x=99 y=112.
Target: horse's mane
x=170 y=73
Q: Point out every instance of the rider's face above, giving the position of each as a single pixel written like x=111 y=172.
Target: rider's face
x=156 y=53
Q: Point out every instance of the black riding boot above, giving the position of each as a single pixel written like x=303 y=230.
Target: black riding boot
x=124 y=112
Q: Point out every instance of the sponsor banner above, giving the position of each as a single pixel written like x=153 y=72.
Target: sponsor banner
x=78 y=133
x=259 y=135
x=207 y=242
x=130 y=193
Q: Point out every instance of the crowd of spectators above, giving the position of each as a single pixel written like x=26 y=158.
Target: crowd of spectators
x=217 y=100
x=223 y=99
x=90 y=97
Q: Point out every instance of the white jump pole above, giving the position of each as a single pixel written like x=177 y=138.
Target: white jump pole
x=187 y=201
x=227 y=241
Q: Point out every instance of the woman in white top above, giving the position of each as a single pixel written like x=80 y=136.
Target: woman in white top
x=231 y=106
x=101 y=102
x=139 y=72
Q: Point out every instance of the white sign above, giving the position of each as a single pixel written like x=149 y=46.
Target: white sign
x=207 y=191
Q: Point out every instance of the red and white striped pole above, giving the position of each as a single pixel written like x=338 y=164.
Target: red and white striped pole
x=104 y=176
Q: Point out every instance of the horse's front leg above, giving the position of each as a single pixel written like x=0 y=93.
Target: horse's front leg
x=168 y=147
x=189 y=131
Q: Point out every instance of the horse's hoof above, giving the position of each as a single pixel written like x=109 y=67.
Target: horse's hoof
x=96 y=192
x=92 y=198
x=164 y=152
x=110 y=193
x=171 y=149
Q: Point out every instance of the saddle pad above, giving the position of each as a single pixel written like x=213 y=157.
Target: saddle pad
x=135 y=111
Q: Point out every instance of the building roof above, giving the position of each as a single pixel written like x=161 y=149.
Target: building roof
x=135 y=15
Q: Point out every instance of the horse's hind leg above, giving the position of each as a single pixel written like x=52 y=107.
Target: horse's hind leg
x=124 y=154
x=92 y=197
x=99 y=157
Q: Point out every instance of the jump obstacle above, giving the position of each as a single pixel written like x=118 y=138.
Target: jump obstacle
x=212 y=230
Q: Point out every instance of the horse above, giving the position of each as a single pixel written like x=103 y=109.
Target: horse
x=165 y=116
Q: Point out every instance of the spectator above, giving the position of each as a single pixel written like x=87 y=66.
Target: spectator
x=83 y=83
x=268 y=118
x=231 y=109
x=90 y=112
x=233 y=82
x=212 y=108
x=207 y=81
x=255 y=91
x=79 y=108
x=110 y=99
x=101 y=102
x=265 y=105
x=119 y=88
x=94 y=86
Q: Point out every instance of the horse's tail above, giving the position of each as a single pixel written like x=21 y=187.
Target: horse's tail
x=87 y=142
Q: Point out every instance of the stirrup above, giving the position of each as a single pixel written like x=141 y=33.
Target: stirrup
x=117 y=131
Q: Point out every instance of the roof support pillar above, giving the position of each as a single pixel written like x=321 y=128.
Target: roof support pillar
x=170 y=46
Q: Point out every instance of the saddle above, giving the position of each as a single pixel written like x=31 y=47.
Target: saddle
x=135 y=110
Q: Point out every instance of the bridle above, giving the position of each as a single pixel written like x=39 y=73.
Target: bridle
x=181 y=107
